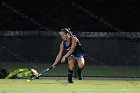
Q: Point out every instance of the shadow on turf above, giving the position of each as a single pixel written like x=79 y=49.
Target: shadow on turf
x=132 y=82
x=63 y=82
x=45 y=83
x=3 y=92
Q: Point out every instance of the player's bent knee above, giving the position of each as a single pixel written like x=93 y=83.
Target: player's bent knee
x=71 y=67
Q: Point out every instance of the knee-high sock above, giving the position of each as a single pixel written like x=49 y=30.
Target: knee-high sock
x=79 y=71
x=70 y=72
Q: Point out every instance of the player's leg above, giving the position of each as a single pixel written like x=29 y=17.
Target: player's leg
x=81 y=64
x=71 y=68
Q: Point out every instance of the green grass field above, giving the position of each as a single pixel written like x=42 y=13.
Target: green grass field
x=87 y=85
x=59 y=85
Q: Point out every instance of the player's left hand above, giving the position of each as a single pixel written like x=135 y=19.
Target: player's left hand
x=63 y=60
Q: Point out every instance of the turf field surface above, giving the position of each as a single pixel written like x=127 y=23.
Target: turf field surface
x=59 y=85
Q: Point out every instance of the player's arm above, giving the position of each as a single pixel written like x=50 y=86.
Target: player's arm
x=59 y=56
x=74 y=41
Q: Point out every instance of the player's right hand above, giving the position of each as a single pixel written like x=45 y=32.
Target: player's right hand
x=53 y=65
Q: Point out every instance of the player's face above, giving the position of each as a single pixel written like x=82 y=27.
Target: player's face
x=63 y=35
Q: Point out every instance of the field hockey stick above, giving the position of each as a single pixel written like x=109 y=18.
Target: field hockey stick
x=45 y=71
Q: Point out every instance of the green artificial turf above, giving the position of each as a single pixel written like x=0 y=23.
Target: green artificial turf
x=59 y=85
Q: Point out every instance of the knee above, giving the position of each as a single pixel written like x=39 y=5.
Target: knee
x=81 y=65
x=81 y=62
x=71 y=67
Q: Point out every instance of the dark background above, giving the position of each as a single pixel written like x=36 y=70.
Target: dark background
x=100 y=50
x=56 y=14
x=28 y=33
x=53 y=15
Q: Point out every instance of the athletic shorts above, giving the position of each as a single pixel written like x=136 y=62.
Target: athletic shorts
x=76 y=56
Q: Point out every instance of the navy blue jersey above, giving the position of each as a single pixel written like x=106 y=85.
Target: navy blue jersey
x=78 y=49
